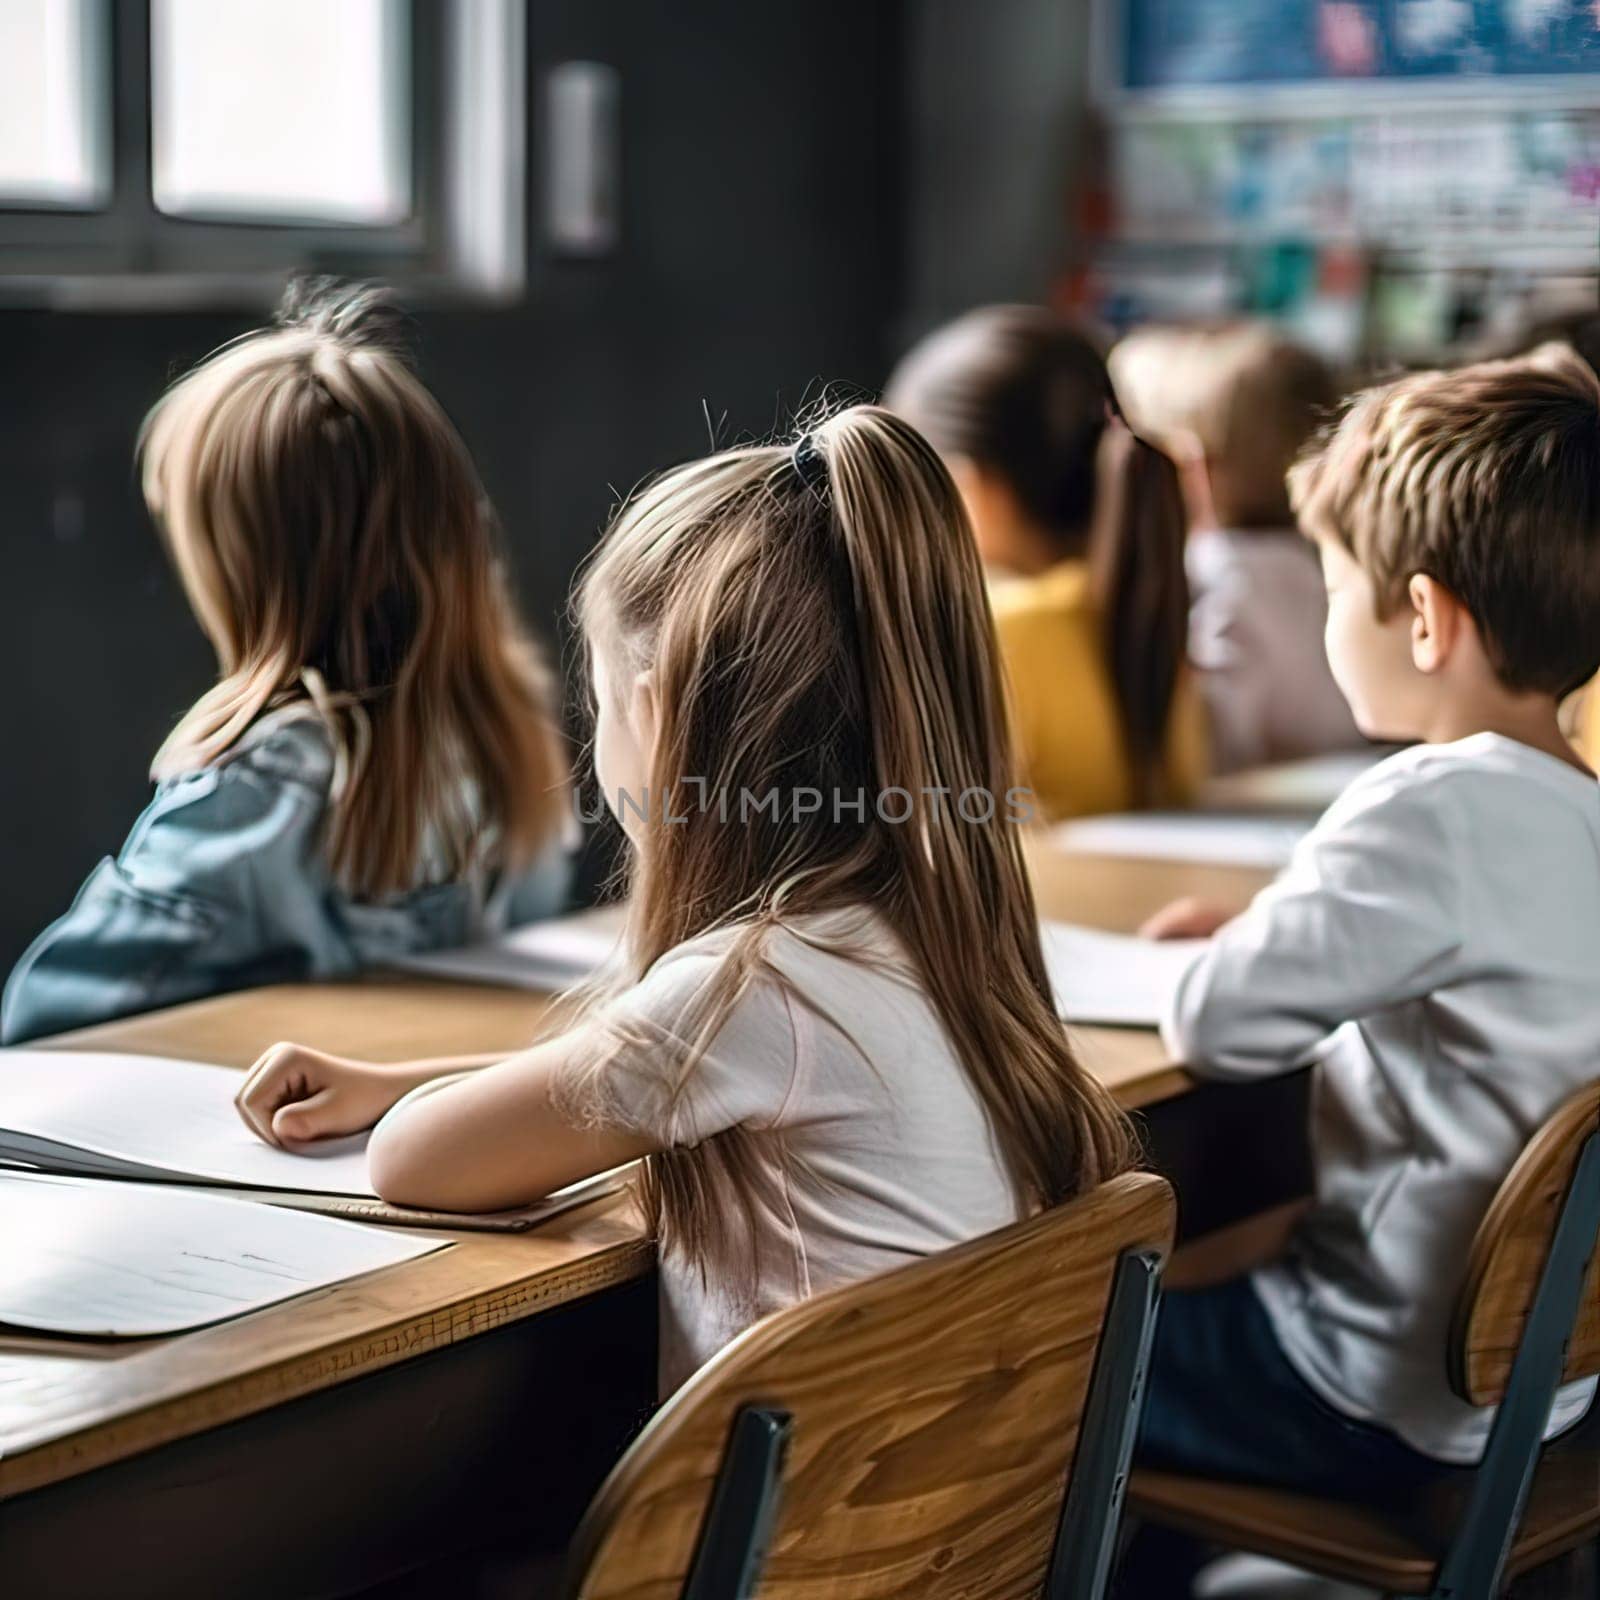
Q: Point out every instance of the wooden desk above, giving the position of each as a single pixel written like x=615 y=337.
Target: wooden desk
x=526 y=1355
x=184 y=1456
x=1121 y=892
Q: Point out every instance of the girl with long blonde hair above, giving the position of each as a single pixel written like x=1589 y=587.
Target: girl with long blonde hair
x=377 y=769
x=832 y=1037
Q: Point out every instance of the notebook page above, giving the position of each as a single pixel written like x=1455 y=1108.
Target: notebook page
x=1265 y=841
x=117 y=1260
x=554 y=954
x=1113 y=978
x=153 y=1117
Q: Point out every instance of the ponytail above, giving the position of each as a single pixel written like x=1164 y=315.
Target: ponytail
x=1136 y=564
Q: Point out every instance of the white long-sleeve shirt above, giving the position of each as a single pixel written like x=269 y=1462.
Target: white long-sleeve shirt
x=1255 y=640
x=1434 y=947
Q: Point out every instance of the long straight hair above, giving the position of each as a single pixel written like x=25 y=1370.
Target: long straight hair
x=337 y=548
x=1021 y=391
x=824 y=625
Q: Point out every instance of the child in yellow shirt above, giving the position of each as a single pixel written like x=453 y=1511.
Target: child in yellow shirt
x=1082 y=528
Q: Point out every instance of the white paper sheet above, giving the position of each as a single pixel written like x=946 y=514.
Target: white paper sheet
x=1113 y=978
x=554 y=954
x=152 y=1117
x=128 y=1260
x=1266 y=841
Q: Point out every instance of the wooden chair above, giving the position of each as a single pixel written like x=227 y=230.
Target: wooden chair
x=1527 y=1320
x=960 y=1426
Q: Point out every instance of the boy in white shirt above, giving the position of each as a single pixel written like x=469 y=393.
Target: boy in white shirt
x=1434 y=948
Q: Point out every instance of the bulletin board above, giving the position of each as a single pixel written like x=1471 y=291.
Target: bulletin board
x=1247 y=56
x=1394 y=177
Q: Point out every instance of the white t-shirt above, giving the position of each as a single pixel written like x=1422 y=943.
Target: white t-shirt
x=869 y=1145
x=1434 y=946
x=1255 y=640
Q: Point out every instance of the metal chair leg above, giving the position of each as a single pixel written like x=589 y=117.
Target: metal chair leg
x=744 y=1504
x=1475 y=1562
x=1081 y=1561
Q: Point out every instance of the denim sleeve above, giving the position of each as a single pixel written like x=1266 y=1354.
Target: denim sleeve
x=213 y=890
x=541 y=890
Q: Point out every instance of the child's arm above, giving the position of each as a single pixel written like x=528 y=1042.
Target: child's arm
x=1365 y=917
x=208 y=893
x=294 y=1095
x=647 y=1073
x=494 y=1139
x=469 y=1133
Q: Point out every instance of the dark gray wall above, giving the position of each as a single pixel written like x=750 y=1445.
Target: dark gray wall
x=762 y=234
x=996 y=105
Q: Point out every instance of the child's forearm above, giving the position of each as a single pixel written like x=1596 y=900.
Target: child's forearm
x=408 y=1080
x=433 y=1068
x=420 y=1088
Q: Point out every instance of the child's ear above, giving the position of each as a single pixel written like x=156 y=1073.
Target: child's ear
x=1436 y=618
x=644 y=713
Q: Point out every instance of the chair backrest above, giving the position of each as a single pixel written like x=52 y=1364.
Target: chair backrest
x=935 y=1419
x=1508 y=1258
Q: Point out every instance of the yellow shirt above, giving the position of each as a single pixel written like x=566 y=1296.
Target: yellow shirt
x=1064 y=718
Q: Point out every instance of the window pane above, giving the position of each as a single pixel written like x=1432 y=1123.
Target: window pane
x=54 y=94
x=281 y=110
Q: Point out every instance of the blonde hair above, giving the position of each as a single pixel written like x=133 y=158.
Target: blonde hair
x=335 y=545
x=1246 y=394
x=1486 y=479
x=818 y=616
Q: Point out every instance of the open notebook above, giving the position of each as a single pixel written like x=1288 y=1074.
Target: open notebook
x=151 y=1118
x=1232 y=841
x=1113 y=978
x=127 y=1260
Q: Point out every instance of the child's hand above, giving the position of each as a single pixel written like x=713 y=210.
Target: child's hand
x=294 y=1096
x=1188 y=918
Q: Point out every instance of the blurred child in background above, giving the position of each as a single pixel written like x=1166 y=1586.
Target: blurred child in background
x=377 y=770
x=1081 y=527
x=1234 y=405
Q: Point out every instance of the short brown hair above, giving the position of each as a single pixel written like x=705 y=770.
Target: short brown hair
x=1248 y=394
x=1488 y=480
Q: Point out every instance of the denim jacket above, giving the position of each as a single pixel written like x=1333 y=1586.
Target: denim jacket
x=223 y=885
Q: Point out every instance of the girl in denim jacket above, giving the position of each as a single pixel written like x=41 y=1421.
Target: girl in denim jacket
x=377 y=770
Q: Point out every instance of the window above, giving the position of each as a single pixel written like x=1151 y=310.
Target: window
x=54 y=90
x=288 y=109
x=176 y=150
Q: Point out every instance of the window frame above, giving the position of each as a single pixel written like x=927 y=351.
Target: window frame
x=128 y=253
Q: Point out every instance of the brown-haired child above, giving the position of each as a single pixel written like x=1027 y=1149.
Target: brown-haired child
x=1431 y=947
